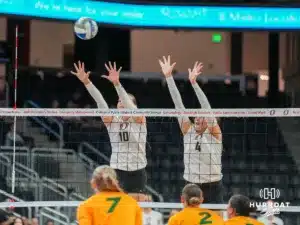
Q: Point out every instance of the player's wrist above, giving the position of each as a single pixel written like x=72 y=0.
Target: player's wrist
x=168 y=75
x=116 y=83
x=193 y=82
x=86 y=82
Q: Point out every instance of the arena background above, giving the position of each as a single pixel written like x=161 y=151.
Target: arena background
x=259 y=152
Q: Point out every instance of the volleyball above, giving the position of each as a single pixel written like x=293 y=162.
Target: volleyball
x=85 y=28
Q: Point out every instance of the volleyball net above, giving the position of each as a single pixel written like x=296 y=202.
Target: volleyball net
x=47 y=157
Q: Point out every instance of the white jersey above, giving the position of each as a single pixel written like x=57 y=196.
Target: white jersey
x=275 y=220
x=128 y=144
x=202 y=157
x=152 y=218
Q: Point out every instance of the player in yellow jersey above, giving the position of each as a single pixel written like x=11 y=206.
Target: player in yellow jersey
x=239 y=210
x=109 y=205
x=192 y=214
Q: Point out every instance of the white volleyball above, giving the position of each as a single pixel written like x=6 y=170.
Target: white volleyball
x=85 y=28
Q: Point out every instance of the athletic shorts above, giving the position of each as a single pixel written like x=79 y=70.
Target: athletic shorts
x=132 y=181
x=212 y=192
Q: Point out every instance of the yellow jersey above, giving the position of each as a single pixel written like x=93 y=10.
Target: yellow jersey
x=195 y=215
x=242 y=220
x=109 y=208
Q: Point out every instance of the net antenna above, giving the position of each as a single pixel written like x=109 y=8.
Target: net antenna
x=13 y=172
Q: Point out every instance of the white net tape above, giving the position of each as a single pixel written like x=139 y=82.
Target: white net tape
x=260 y=112
x=157 y=205
x=149 y=113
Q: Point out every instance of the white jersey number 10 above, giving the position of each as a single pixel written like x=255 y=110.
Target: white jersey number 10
x=124 y=136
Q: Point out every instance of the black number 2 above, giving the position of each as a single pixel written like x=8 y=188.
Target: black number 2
x=206 y=218
x=124 y=136
x=198 y=147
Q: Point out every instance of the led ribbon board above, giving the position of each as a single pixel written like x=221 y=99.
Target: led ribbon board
x=158 y=15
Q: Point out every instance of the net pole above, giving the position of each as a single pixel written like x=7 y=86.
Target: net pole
x=13 y=172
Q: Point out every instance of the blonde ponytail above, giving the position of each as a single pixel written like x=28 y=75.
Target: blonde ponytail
x=105 y=179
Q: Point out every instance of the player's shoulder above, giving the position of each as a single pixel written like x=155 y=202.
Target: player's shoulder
x=177 y=215
x=244 y=220
x=103 y=196
x=86 y=202
x=172 y=220
x=211 y=212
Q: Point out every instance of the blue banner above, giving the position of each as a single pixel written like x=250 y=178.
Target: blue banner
x=158 y=15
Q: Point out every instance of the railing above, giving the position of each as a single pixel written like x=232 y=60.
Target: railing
x=4 y=161
x=4 y=193
x=104 y=157
x=57 y=217
x=90 y=164
x=59 y=135
x=24 y=176
x=92 y=149
x=51 y=186
x=76 y=197
x=22 y=156
x=72 y=170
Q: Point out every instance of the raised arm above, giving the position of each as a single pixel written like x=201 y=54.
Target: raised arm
x=167 y=69
x=211 y=121
x=114 y=78
x=93 y=91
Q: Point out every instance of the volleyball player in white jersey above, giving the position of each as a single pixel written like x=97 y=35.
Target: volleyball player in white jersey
x=127 y=134
x=202 y=139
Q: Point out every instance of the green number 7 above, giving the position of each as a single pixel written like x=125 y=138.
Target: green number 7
x=205 y=219
x=114 y=204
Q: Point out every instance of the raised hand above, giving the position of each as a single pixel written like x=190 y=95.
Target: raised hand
x=113 y=73
x=193 y=73
x=166 y=66
x=80 y=73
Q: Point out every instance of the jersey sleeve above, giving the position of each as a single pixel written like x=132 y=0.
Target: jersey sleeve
x=83 y=215
x=139 y=216
x=172 y=221
x=161 y=219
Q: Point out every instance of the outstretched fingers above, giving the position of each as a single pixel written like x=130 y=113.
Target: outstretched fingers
x=173 y=65
x=160 y=63
x=169 y=59
x=107 y=68
x=105 y=77
x=76 y=68
x=195 y=65
x=200 y=66
x=112 y=67
x=165 y=60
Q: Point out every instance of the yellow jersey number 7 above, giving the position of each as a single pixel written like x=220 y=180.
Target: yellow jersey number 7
x=114 y=202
